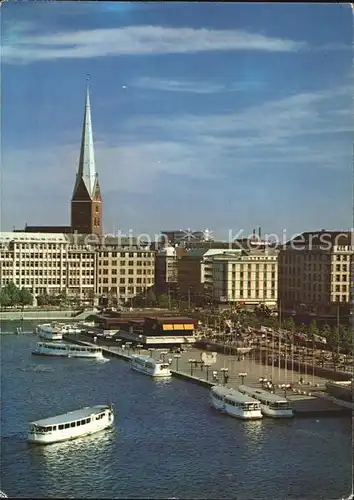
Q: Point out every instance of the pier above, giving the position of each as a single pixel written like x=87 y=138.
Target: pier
x=307 y=399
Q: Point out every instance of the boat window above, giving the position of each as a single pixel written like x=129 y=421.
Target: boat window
x=73 y=424
x=67 y=426
x=83 y=422
x=78 y=422
x=88 y=420
x=61 y=426
x=162 y=367
x=49 y=428
x=54 y=428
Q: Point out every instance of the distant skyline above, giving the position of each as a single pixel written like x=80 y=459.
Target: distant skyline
x=205 y=115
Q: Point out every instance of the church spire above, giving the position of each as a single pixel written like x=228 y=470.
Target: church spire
x=87 y=167
x=86 y=202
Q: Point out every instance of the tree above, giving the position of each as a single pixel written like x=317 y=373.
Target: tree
x=289 y=324
x=5 y=299
x=25 y=297
x=163 y=300
x=312 y=330
x=346 y=339
x=10 y=295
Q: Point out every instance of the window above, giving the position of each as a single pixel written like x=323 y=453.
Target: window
x=67 y=426
x=73 y=424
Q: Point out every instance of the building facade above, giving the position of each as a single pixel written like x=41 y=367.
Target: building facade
x=166 y=269
x=124 y=272
x=245 y=278
x=53 y=264
x=46 y=263
x=315 y=272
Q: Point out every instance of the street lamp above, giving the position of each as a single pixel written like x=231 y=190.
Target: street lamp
x=285 y=387
x=225 y=374
x=207 y=366
x=128 y=345
x=263 y=381
x=191 y=362
x=177 y=356
x=242 y=376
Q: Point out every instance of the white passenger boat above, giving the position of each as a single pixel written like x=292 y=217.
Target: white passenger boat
x=67 y=350
x=71 y=425
x=149 y=366
x=235 y=403
x=272 y=405
x=49 y=332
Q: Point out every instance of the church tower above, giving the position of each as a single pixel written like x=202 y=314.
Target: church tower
x=86 y=202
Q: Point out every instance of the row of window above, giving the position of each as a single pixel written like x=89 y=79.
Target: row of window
x=50 y=281
x=122 y=280
x=130 y=271
x=116 y=254
x=122 y=290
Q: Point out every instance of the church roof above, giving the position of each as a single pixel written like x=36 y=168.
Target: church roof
x=87 y=167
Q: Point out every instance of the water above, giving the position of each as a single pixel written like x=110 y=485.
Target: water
x=167 y=441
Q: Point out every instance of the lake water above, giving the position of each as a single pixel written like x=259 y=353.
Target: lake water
x=167 y=441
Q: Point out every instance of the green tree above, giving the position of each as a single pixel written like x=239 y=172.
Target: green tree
x=5 y=299
x=163 y=300
x=43 y=300
x=13 y=292
x=10 y=295
x=289 y=324
x=346 y=339
x=25 y=297
x=312 y=330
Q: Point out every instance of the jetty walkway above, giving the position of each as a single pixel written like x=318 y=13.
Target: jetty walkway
x=308 y=399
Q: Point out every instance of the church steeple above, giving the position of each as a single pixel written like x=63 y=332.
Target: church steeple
x=86 y=203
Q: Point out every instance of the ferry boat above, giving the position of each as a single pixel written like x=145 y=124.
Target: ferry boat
x=235 y=403
x=149 y=366
x=67 y=350
x=49 y=332
x=272 y=405
x=71 y=425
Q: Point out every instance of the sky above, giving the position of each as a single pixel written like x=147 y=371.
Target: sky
x=205 y=115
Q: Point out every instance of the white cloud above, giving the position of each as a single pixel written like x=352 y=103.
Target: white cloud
x=135 y=40
x=192 y=86
x=304 y=130
x=302 y=114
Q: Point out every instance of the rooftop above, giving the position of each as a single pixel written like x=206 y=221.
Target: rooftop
x=71 y=416
x=233 y=393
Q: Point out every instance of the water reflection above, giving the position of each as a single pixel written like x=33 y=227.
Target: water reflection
x=72 y=451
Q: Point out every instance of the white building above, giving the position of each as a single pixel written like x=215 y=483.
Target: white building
x=247 y=278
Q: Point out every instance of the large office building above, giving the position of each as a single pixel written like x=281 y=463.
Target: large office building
x=315 y=272
x=234 y=276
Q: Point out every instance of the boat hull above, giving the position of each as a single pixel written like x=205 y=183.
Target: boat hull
x=83 y=356
x=268 y=412
x=236 y=412
x=161 y=374
x=69 y=434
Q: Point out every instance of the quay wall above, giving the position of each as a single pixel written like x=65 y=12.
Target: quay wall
x=299 y=366
x=41 y=315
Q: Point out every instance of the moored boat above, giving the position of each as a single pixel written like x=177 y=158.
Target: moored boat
x=149 y=366
x=71 y=425
x=49 y=332
x=235 y=403
x=340 y=389
x=272 y=405
x=64 y=350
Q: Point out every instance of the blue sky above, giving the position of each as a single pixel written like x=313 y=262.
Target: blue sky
x=226 y=116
